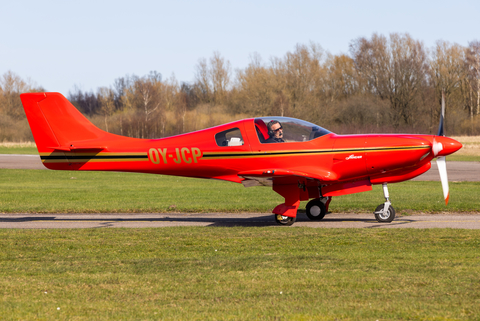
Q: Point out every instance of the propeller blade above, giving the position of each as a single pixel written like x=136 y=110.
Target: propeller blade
x=442 y=116
x=442 y=169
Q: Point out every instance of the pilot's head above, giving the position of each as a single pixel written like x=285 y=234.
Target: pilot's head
x=275 y=129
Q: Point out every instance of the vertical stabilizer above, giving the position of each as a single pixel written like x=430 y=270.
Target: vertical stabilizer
x=56 y=124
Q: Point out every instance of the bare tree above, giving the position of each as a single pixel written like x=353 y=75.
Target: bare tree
x=13 y=123
x=302 y=73
x=394 y=69
x=219 y=72
x=145 y=94
x=448 y=70
x=212 y=79
x=473 y=76
x=106 y=98
x=11 y=86
x=202 y=81
x=373 y=63
x=342 y=80
x=256 y=88
x=86 y=102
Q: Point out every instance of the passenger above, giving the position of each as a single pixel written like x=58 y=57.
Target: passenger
x=275 y=131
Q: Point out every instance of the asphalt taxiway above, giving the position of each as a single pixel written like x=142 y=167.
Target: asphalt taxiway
x=341 y=220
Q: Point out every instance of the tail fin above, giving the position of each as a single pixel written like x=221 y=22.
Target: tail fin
x=57 y=125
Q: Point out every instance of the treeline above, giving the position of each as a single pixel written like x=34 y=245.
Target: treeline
x=13 y=122
x=384 y=84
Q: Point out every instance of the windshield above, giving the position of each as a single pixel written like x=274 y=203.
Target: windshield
x=294 y=130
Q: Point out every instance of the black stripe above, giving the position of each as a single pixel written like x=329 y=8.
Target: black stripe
x=396 y=148
x=94 y=157
x=263 y=154
x=307 y=152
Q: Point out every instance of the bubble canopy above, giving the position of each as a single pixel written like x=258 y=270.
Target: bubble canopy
x=294 y=130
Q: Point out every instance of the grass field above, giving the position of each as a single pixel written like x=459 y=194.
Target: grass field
x=41 y=191
x=26 y=148
x=470 y=150
x=239 y=273
x=271 y=273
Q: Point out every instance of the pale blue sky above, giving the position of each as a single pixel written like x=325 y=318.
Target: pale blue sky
x=59 y=44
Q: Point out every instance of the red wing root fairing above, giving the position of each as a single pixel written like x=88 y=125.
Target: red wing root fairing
x=300 y=160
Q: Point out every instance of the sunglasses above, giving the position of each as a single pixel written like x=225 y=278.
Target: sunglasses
x=276 y=130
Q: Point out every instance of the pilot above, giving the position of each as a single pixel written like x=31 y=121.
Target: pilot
x=275 y=131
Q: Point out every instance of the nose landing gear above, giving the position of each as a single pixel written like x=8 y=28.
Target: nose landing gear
x=385 y=213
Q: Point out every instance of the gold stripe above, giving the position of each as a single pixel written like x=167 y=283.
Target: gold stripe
x=306 y=152
x=73 y=160
x=268 y=155
x=221 y=155
x=93 y=154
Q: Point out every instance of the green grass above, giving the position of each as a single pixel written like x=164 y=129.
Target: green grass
x=463 y=158
x=99 y=192
x=18 y=150
x=42 y=191
x=274 y=273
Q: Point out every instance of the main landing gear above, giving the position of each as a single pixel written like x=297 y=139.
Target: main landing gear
x=385 y=213
x=285 y=214
x=316 y=208
x=284 y=220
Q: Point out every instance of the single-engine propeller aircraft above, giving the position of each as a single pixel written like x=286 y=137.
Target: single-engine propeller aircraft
x=300 y=160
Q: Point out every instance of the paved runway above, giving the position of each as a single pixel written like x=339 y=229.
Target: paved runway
x=344 y=220
x=14 y=161
x=456 y=171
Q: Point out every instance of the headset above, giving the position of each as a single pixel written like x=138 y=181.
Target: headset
x=271 y=132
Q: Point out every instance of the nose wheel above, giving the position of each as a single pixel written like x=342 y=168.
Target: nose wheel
x=383 y=216
x=385 y=213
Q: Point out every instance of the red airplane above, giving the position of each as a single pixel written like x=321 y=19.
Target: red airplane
x=300 y=160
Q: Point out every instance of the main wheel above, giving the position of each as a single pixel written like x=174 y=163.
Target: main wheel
x=316 y=210
x=382 y=217
x=285 y=220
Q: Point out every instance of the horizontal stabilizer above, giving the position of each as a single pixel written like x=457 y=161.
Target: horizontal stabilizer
x=73 y=148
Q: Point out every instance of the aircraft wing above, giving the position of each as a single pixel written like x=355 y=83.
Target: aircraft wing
x=328 y=179
x=266 y=176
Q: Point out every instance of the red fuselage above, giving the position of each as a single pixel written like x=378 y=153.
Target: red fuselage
x=307 y=162
x=330 y=159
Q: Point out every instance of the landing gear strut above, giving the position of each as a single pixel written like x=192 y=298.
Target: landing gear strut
x=385 y=213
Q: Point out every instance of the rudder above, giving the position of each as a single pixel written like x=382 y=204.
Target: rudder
x=56 y=124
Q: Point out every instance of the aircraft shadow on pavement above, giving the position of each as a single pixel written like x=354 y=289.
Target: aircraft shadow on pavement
x=106 y=221
x=396 y=221
x=257 y=221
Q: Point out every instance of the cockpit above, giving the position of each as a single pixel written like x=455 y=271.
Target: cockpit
x=294 y=130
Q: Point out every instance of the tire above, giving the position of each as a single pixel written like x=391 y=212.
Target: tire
x=384 y=217
x=285 y=220
x=316 y=210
